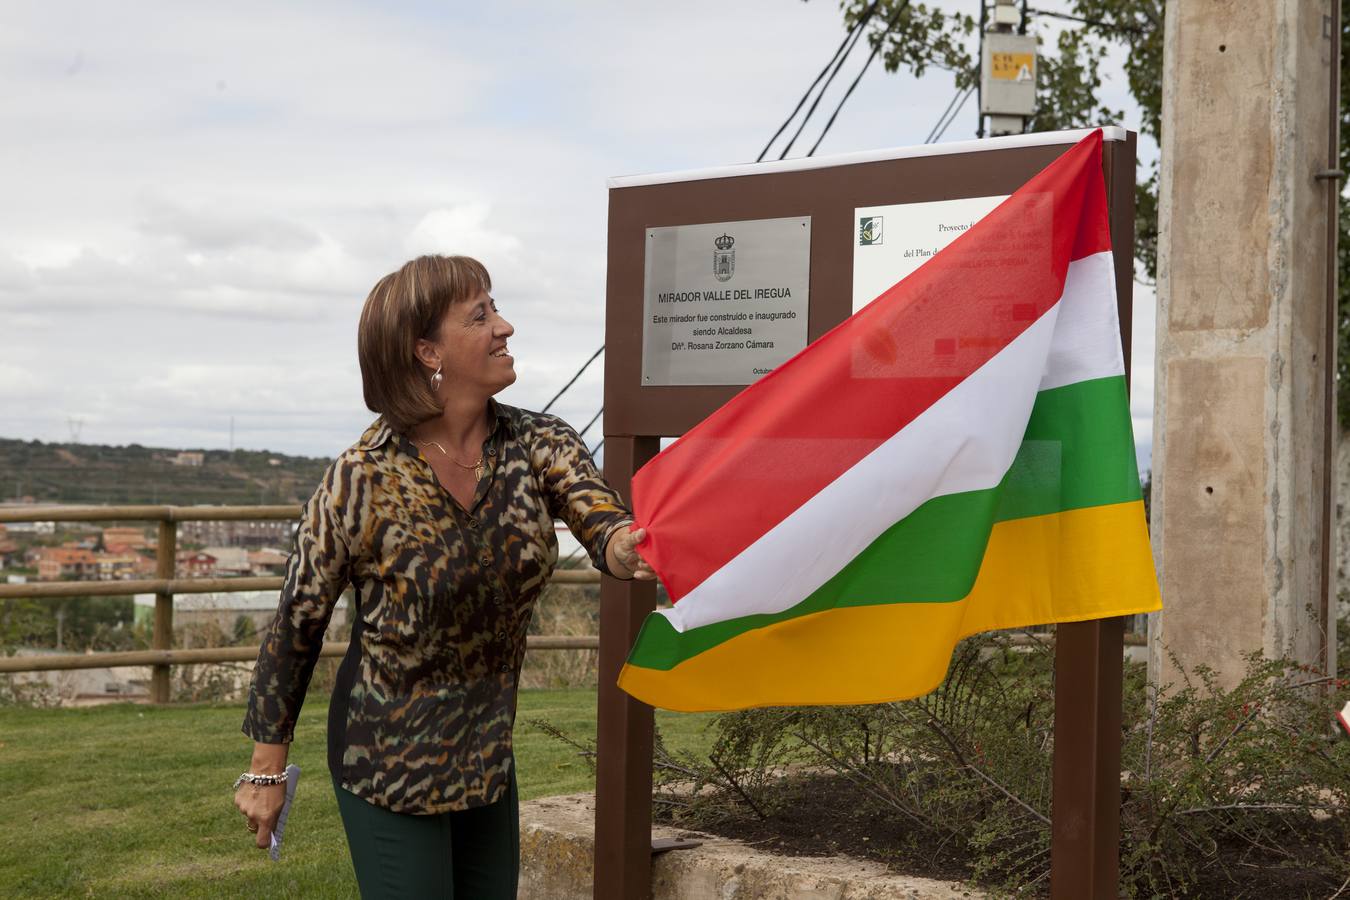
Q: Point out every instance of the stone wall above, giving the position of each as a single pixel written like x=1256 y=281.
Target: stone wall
x=557 y=845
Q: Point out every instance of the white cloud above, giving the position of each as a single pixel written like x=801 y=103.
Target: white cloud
x=16 y=383
x=203 y=196
x=217 y=229
x=464 y=231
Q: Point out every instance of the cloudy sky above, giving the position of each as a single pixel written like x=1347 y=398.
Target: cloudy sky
x=198 y=197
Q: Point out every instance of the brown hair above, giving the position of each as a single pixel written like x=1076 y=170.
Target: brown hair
x=405 y=306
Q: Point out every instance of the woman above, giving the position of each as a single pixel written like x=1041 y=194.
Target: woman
x=441 y=518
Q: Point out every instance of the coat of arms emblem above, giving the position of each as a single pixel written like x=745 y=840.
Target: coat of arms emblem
x=724 y=258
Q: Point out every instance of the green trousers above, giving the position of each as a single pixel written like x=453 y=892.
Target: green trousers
x=473 y=854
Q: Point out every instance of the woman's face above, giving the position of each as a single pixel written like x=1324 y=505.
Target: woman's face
x=471 y=347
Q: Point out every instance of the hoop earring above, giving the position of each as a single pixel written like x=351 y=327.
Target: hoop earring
x=436 y=379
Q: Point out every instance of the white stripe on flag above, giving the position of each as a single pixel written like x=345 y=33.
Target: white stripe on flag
x=964 y=442
x=1086 y=344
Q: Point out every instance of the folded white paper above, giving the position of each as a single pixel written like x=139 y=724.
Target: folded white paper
x=292 y=777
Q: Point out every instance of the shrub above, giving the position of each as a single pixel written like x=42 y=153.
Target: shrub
x=1219 y=786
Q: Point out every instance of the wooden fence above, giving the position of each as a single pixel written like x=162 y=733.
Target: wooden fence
x=165 y=586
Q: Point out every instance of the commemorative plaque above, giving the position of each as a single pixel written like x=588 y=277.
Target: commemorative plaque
x=724 y=302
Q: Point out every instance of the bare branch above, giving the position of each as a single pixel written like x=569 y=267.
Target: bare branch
x=736 y=786
x=1250 y=807
x=1218 y=748
x=876 y=790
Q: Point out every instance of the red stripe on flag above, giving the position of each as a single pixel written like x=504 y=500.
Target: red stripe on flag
x=773 y=446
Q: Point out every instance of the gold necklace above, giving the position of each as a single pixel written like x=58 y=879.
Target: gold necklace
x=477 y=467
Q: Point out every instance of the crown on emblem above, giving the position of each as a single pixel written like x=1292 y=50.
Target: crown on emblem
x=725 y=242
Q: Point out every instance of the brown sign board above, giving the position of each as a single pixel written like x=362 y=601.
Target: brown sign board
x=829 y=191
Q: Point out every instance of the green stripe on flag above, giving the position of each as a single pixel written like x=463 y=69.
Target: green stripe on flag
x=1078 y=452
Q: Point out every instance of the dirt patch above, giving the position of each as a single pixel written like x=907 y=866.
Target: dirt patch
x=558 y=851
x=825 y=815
x=821 y=815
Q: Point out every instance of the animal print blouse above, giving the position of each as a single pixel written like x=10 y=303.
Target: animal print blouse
x=421 y=715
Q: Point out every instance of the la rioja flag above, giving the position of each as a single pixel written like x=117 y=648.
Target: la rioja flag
x=954 y=458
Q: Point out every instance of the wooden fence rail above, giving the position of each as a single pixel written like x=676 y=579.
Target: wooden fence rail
x=52 y=590
x=64 y=661
x=147 y=513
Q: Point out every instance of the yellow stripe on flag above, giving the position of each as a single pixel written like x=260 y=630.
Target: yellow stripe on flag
x=1065 y=567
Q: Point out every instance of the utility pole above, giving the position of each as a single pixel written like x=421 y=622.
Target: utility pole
x=1007 y=71
x=1243 y=397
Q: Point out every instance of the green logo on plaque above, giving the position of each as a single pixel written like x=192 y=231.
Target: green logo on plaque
x=869 y=231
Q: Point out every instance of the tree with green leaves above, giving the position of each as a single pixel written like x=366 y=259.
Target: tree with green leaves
x=1072 y=69
x=1069 y=76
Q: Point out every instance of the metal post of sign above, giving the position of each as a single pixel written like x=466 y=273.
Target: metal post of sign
x=1085 y=824
x=623 y=784
x=830 y=195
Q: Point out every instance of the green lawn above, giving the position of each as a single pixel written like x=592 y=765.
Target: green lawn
x=134 y=801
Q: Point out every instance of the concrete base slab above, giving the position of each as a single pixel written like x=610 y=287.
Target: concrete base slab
x=557 y=847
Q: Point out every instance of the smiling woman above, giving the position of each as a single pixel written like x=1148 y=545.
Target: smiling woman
x=441 y=518
x=404 y=313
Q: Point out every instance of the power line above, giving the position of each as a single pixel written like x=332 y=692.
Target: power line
x=836 y=62
x=857 y=35
x=960 y=106
x=942 y=118
x=863 y=71
x=857 y=26
x=1095 y=23
x=595 y=418
x=574 y=378
x=943 y=123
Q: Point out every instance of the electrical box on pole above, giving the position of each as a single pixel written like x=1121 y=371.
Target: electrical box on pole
x=1007 y=73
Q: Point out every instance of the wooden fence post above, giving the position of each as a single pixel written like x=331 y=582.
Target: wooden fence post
x=166 y=555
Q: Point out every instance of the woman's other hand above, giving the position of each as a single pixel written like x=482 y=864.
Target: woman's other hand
x=261 y=803
x=623 y=558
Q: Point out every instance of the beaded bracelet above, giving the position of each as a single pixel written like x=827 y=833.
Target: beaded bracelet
x=251 y=778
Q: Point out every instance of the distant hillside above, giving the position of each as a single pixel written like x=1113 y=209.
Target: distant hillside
x=90 y=473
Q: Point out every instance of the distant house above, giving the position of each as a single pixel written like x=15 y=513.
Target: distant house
x=56 y=563
x=117 y=566
x=9 y=551
x=195 y=564
x=269 y=533
x=229 y=560
x=189 y=458
x=124 y=538
x=267 y=561
x=260 y=607
x=85 y=687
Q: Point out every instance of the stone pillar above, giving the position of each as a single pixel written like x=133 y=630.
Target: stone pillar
x=1238 y=471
